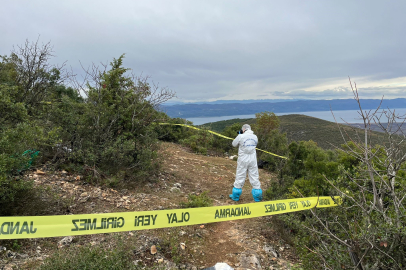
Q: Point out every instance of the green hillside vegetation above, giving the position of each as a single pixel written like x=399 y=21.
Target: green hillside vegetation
x=305 y=128
x=359 y=171
x=102 y=128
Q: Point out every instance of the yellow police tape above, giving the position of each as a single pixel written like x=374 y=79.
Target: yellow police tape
x=67 y=225
x=220 y=135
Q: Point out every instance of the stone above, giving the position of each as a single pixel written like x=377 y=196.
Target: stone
x=153 y=250
x=250 y=261
x=271 y=250
x=11 y=254
x=22 y=256
x=220 y=266
x=39 y=172
x=170 y=265
x=84 y=194
x=178 y=185
x=182 y=246
x=175 y=189
x=66 y=241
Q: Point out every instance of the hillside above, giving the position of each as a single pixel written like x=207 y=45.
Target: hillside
x=304 y=128
x=242 y=244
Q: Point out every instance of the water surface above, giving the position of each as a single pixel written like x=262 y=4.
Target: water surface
x=349 y=116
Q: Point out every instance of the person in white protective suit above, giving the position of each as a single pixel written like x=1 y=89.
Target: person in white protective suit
x=247 y=162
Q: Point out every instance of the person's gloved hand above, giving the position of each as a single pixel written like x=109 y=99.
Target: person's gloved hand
x=240 y=132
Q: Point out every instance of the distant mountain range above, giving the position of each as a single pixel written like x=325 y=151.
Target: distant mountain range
x=171 y=103
x=239 y=108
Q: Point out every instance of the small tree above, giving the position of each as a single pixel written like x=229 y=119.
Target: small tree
x=270 y=139
x=113 y=130
x=29 y=69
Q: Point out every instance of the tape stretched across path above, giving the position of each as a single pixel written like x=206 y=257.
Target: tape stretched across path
x=67 y=225
x=220 y=135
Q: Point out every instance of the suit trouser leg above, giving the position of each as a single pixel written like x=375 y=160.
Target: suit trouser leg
x=240 y=174
x=253 y=175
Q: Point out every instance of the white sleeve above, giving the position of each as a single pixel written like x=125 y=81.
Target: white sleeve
x=236 y=140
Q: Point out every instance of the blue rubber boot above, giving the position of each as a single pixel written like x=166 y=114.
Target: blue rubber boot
x=236 y=194
x=257 y=194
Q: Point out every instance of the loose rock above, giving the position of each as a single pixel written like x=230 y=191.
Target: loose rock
x=65 y=241
x=271 y=250
x=250 y=261
x=178 y=185
x=220 y=266
x=39 y=172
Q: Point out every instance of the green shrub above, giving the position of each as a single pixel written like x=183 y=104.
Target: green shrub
x=195 y=201
x=113 y=128
x=199 y=142
x=12 y=192
x=20 y=138
x=279 y=189
x=109 y=133
x=173 y=133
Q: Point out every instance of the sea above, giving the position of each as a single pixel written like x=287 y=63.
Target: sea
x=347 y=116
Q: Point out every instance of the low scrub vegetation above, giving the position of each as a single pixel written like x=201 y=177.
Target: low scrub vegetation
x=102 y=127
x=367 y=171
x=91 y=258
x=194 y=201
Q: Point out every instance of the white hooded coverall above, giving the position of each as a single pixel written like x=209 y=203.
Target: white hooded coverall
x=247 y=159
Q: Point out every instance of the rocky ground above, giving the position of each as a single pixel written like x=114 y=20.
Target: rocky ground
x=244 y=244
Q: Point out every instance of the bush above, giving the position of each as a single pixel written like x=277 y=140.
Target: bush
x=195 y=201
x=107 y=133
x=367 y=230
x=173 y=133
x=20 y=138
x=200 y=142
x=112 y=129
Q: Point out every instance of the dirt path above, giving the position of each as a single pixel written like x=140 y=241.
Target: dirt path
x=230 y=241
x=243 y=244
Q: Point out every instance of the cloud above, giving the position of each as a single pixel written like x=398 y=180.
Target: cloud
x=206 y=50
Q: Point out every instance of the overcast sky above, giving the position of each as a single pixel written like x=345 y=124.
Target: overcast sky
x=216 y=50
